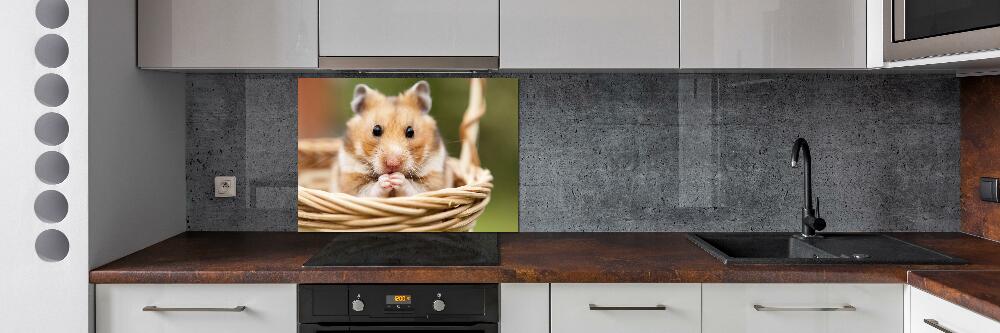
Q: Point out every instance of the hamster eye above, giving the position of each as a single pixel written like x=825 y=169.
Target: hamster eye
x=409 y=131
x=377 y=131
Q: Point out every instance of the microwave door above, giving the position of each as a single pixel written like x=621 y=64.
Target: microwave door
x=916 y=29
x=916 y=19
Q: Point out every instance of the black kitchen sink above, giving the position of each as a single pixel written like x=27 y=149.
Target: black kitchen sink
x=831 y=248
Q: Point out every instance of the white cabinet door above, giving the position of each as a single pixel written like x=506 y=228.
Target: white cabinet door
x=773 y=34
x=589 y=34
x=227 y=33
x=928 y=311
x=408 y=28
x=524 y=308
x=270 y=308
x=777 y=308
x=625 y=307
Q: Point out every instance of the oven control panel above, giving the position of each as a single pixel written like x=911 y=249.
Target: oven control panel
x=398 y=303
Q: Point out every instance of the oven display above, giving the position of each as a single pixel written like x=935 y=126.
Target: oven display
x=398 y=299
x=398 y=303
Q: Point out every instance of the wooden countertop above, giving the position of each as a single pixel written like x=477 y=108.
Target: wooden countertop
x=273 y=257
x=974 y=290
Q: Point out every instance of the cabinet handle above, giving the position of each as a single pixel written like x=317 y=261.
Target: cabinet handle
x=657 y=307
x=935 y=324
x=159 y=309
x=848 y=307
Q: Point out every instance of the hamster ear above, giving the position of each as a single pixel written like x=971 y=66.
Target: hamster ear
x=421 y=92
x=360 y=93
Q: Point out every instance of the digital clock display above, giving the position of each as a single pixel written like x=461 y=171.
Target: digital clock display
x=398 y=299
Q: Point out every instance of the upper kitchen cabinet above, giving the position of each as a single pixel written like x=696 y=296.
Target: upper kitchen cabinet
x=218 y=34
x=780 y=34
x=407 y=34
x=589 y=34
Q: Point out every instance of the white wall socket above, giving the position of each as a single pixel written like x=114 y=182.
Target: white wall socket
x=225 y=187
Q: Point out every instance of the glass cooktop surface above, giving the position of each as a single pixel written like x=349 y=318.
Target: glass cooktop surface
x=408 y=249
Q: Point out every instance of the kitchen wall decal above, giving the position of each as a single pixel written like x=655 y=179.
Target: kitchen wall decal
x=406 y=154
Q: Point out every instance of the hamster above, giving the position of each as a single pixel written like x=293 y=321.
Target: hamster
x=392 y=147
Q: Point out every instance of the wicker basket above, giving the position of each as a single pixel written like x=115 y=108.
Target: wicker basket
x=449 y=209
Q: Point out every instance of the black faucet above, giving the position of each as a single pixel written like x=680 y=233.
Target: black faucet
x=810 y=221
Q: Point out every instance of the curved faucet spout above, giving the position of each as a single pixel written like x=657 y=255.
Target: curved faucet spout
x=807 y=188
x=810 y=222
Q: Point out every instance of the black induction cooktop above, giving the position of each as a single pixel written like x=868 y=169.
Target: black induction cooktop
x=408 y=249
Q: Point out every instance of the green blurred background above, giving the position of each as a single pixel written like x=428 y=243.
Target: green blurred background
x=498 y=138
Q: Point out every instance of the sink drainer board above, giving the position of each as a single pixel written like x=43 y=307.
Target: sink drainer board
x=831 y=248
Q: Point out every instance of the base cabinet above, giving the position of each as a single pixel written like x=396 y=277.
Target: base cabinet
x=524 y=308
x=802 y=308
x=569 y=307
x=930 y=314
x=195 y=308
x=626 y=307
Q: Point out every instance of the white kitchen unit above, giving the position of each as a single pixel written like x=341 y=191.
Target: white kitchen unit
x=80 y=125
x=930 y=314
x=196 y=308
x=780 y=34
x=524 y=307
x=626 y=307
x=802 y=308
x=589 y=34
x=242 y=34
x=43 y=246
x=390 y=33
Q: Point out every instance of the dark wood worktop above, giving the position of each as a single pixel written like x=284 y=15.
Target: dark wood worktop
x=978 y=291
x=269 y=257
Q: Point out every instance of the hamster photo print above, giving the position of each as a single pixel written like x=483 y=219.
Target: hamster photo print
x=408 y=154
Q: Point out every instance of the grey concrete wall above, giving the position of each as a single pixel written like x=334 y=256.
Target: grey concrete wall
x=641 y=152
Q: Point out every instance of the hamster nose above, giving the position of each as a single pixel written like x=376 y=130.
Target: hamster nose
x=392 y=163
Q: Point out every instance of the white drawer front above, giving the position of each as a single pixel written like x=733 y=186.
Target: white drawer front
x=571 y=310
x=730 y=308
x=270 y=308
x=947 y=315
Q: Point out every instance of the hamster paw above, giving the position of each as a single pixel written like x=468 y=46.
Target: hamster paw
x=385 y=183
x=397 y=178
x=391 y=181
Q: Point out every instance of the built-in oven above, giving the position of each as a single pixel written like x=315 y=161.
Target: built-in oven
x=916 y=29
x=386 y=308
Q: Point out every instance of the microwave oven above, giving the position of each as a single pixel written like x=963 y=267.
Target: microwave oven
x=915 y=29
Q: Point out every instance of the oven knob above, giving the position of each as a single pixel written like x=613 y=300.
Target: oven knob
x=358 y=305
x=438 y=305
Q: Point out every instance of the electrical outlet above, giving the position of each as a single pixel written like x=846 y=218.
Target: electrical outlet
x=225 y=187
x=988 y=189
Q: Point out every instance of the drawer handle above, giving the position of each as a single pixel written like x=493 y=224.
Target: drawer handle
x=154 y=308
x=935 y=324
x=657 y=307
x=848 y=307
